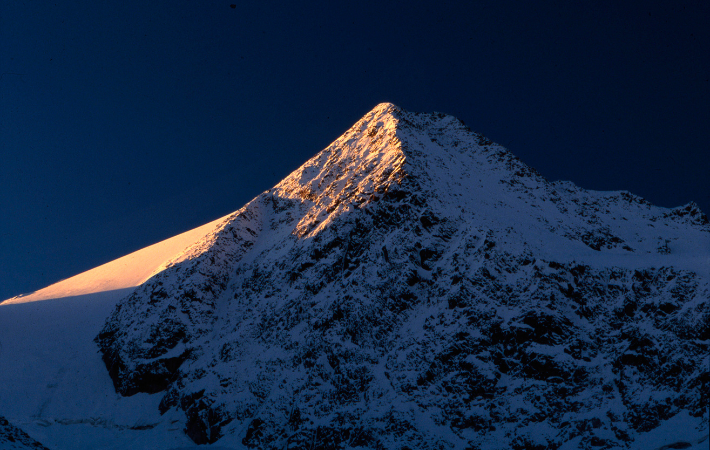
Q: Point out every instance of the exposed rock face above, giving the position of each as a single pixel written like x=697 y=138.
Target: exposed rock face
x=416 y=286
x=13 y=438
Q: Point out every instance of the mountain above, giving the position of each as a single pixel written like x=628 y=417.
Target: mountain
x=413 y=285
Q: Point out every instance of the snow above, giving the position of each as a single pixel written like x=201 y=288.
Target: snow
x=680 y=431
x=55 y=387
x=125 y=272
x=53 y=383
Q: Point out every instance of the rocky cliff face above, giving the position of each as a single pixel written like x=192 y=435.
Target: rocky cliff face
x=416 y=286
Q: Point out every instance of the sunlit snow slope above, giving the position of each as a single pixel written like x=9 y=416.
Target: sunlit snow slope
x=126 y=272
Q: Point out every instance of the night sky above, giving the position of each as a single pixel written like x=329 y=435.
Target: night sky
x=125 y=123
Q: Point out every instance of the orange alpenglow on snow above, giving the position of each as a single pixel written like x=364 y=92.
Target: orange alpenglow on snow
x=128 y=271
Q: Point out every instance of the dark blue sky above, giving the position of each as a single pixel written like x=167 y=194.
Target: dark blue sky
x=124 y=123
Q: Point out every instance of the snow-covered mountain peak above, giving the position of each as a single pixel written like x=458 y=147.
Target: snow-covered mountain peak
x=410 y=273
x=391 y=150
x=341 y=177
x=416 y=285
x=435 y=159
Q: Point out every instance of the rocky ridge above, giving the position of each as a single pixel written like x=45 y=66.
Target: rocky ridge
x=415 y=285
